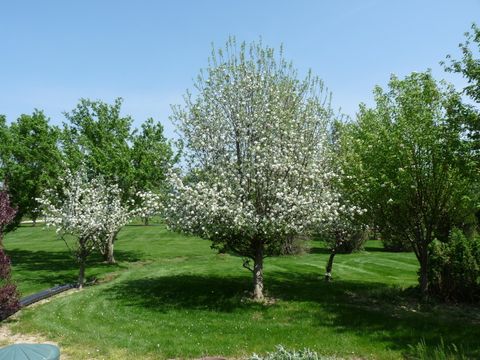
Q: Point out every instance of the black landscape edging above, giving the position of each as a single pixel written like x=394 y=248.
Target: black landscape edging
x=45 y=294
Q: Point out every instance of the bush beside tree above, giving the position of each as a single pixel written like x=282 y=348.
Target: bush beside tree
x=9 y=297
x=454 y=271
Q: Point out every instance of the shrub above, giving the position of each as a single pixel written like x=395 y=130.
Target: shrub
x=454 y=269
x=9 y=297
x=282 y=354
x=354 y=241
x=395 y=243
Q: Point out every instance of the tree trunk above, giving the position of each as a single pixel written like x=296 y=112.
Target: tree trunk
x=81 y=274
x=328 y=269
x=145 y=221
x=258 y=274
x=108 y=256
x=424 y=273
x=34 y=221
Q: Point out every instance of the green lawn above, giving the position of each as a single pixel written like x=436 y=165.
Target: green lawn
x=172 y=296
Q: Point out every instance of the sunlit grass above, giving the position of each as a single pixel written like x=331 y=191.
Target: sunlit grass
x=172 y=296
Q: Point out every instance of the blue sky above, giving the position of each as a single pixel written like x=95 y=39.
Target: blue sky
x=54 y=52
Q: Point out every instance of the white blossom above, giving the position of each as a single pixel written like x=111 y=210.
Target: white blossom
x=257 y=150
x=148 y=205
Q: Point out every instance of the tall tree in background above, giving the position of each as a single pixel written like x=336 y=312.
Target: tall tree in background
x=469 y=115
x=256 y=140
x=97 y=137
x=152 y=159
x=31 y=161
x=408 y=158
x=469 y=67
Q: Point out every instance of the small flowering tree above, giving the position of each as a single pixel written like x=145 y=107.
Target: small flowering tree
x=342 y=234
x=256 y=144
x=148 y=205
x=87 y=214
x=115 y=215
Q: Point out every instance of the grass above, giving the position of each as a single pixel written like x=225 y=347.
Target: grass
x=172 y=296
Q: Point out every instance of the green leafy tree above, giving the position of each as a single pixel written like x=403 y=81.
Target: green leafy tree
x=469 y=67
x=469 y=115
x=152 y=159
x=97 y=137
x=4 y=141
x=408 y=162
x=31 y=161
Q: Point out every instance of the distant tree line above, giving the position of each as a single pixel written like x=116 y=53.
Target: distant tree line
x=34 y=154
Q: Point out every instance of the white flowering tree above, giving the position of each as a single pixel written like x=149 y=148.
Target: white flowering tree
x=257 y=151
x=115 y=215
x=148 y=204
x=342 y=234
x=87 y=214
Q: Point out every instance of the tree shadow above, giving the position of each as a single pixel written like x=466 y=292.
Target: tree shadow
x=51 y=268
x=375 y=249
x=387 y=313
x=41 y=260
x=319 y=250
x=60 y=260
x=183 y=291
x=383 y=312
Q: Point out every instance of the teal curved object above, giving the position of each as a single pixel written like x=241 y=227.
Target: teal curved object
x=30 y=352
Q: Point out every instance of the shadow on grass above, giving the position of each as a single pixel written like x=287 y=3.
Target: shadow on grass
x=325 y=251
x=375 y=310
x=374 y=249
x=51 y=268
x=60 y=260
x=319 y=250
x=183 y=291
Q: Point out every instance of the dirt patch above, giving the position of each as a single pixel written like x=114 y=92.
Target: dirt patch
x=7 y=337
x=107 y=278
